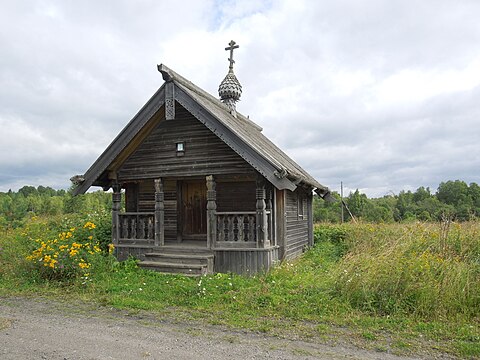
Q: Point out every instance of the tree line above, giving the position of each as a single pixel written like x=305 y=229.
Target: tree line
x=29 y=201
x=453 y=199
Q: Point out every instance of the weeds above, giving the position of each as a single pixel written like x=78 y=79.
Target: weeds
x=408 y=285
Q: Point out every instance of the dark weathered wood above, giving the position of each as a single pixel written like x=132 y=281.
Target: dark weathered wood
x=169 y=101
x=211 y=209
x=236 y=196
x=159 y=213
x=131 y=197
x=136 y=226
x=268 y=206
x=251 y=155
x=297 y=231
x=116 y=204
x=245 y=260
x=194 y=205
x=205 y=153
x=261 y=220
x=236 y=227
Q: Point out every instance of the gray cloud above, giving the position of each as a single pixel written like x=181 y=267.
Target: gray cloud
x=382 y=95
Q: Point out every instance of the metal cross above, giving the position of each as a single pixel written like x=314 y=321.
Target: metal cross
x=231 y=48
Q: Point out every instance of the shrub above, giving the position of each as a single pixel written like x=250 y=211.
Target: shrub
x=69 y=254
x=334 y=234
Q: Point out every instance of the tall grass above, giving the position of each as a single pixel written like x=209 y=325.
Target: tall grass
x=422 y=269
x=416 y=278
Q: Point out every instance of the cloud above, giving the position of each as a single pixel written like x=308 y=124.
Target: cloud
x=380 y=95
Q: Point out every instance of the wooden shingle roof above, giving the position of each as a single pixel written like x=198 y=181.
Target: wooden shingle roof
x=238 y=132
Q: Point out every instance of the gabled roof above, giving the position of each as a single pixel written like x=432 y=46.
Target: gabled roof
x=238 y=132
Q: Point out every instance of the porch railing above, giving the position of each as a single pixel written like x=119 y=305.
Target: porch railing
x=232 y=227
x=236 y=226
x=136 y=226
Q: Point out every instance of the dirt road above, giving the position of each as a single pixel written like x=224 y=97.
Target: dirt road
x=41 y=329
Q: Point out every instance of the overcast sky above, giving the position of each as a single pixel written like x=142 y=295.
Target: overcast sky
x=382 y=95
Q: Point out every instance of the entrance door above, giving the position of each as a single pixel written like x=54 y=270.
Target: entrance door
x=194 y=210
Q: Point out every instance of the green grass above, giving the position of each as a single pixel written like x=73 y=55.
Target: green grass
x=402 y=288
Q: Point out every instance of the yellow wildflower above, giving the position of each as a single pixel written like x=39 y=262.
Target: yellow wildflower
x=89 y=225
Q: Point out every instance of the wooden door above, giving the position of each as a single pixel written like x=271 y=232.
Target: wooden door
x=194 y=208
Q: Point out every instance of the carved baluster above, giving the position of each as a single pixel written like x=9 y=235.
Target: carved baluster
x=133 y=224
x=251 y=228
x=211 y=211
x=159 y=213
x=230 y=228
x=241 y=227
x=221 y=227
x=124 y=227
x=150 y=228
x=141 y=223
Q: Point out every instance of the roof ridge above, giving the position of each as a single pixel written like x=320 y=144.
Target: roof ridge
x=169 y=75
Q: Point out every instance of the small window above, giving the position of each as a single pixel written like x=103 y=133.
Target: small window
x=301 y=206
x=180 y=147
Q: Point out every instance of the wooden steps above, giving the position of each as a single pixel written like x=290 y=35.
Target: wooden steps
x=175 y=260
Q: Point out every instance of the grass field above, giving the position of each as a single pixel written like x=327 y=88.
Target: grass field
x=406 y=288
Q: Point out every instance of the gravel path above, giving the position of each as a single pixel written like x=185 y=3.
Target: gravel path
x=41 y=329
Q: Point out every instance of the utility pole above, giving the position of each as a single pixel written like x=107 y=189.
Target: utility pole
x=341 y=199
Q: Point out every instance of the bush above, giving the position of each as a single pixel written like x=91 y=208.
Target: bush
x=335 y=234
x=72 y=252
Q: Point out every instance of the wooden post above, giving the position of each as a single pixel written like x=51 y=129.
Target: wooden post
x=310 y=218
x=269 y=216
x=211 y=211
x=262 y=233
x=116 y=203
x=159 y=213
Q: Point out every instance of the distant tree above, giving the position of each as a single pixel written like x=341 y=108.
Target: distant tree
x=27 y=190
x=454 y=193
x=474 y=192
x=356 y=202
x=46 y=191
x=327 y=211
x=421 y=194
x=406 y=207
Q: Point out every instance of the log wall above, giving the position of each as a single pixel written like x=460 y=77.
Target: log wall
x=247 y=261
x=205 y=153
x=297 y=228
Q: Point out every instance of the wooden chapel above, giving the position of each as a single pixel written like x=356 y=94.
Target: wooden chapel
x=205 y=191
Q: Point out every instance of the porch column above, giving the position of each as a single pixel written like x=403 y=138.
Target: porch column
x=211 y=211
x=262 y=224
x=269 y=216
x=116 y=203
x=159 y=213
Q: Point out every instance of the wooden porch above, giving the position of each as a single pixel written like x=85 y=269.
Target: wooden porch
x=234 y=241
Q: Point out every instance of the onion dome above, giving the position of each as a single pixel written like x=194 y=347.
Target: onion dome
x=230 y=89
